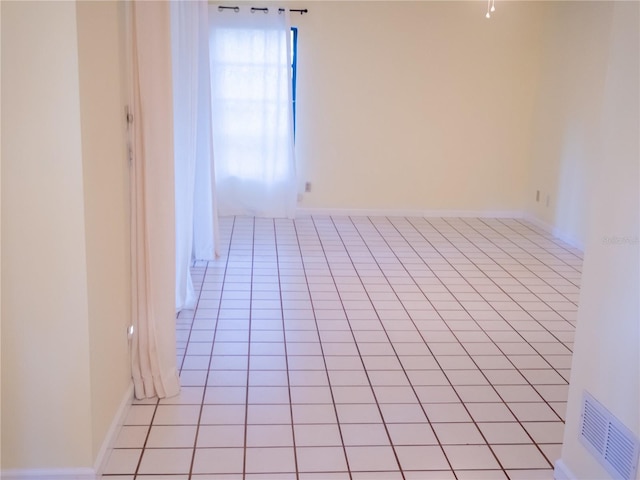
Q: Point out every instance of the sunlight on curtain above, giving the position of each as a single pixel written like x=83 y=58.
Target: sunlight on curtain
x=196 y=216
x=153 y=350
x=252 y=114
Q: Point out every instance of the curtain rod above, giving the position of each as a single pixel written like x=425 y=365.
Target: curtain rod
x=301 y=11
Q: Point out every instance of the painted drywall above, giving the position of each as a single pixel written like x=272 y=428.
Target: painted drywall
x=46 y=397
x=606 y=360
x=416 y=105
x=567 y=118
x=105 y=176
x=0 y=262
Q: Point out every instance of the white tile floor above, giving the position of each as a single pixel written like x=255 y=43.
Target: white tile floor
x=367 y=348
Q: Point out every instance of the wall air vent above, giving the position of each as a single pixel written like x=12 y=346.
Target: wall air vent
x=611 y=443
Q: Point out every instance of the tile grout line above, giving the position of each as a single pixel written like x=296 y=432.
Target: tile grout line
x=373 y=392
x=320 y=342
x=286 y=354
x=213 y=342
x=495 y=390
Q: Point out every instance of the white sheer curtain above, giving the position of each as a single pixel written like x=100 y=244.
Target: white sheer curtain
x=196 y=216
x=153 y=355
x=252 y=114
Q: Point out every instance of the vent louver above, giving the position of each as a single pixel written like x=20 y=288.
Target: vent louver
x=613 y=444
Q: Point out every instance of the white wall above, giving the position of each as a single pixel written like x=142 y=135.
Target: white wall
x=567 y=119
x=0 y=267
x=105 y=176
x=45 y=343
x=606 y=360
x=64 y=234
x=416 y=105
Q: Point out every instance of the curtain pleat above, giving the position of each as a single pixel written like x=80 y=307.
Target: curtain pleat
x=196 y=214
x=152 y=204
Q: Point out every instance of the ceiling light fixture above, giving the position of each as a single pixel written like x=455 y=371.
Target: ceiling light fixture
x=491 y=7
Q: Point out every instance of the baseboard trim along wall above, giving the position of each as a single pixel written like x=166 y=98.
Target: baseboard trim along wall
x=372 y=212
x=112 y=434
x=50 y=474
x=80 y=473
x=561 y=471
x=556 y=232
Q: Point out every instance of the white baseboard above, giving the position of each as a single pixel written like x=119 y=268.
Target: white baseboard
x=112 y=433
x=50 y=474
x=562 y=472
x=554 y=231
x=79 y=473
x=547 y=227
x=373 y=212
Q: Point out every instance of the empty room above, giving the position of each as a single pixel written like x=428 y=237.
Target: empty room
x=320 y=240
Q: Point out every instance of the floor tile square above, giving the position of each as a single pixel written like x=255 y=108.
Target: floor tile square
x=458 y=433
x=518 y=393
x=165 y=461
x=268 y=395
x=520 y=456
x=270 y=460
x=122 y=461
x=132 y=436
x=268 y=414
x=345 y=395
x=218 y=461
x=533 y=474
x=314 y=413
x=354 y=413
x=446 y=412
x=220 y=436
x=140 y=415
x=533 y=412
x=403 y=413
x=350 y=377
x=490 y=412
x=318 y=435
x=471 y=457
x=545 y=432
x=411 y=434
x=177 y=415
x=552 y=451
x=267 y=378
x=395 y=394
x=223 y=415
x=225 y=395
x=269 y=436
x=477 y=393
x=481 y=475
x=172 y=436
x=371 y=458
x=429 y=475
x=321 y=459
x=365 y=434
x=421 y=458
x=504 y=432
x=227 y=378
x=436 y=394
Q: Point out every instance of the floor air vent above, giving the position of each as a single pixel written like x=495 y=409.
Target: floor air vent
x=613 y=444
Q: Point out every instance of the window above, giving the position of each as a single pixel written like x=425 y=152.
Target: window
x=294 y=66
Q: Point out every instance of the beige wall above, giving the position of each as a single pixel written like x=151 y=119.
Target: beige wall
x=0 y=261
x=416 y=105
x=567 y=119
x=105 y=174
x=64 y=234
x=45 y=353
x=606 y=359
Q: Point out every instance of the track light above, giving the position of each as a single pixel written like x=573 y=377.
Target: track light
x=491 y=7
